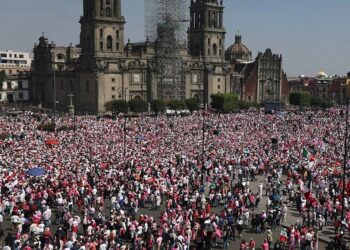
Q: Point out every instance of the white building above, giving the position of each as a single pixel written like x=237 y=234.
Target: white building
x=17 y=67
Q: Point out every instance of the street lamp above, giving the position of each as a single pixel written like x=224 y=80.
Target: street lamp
x=71 y=110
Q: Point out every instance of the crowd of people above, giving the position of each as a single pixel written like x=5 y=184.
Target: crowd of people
x=161 y=183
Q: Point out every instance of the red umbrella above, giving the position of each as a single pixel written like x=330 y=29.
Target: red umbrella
x=51 y=142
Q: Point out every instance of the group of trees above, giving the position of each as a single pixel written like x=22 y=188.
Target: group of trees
x=305 y=99
x=228 y=103
x=224 y=103
x=158 y=106
x=121 y=106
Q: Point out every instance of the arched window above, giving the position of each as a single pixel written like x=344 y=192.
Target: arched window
x=117 y=46
x=101 y=45
x=101 y=33
x=215 y=49
x=109 y=43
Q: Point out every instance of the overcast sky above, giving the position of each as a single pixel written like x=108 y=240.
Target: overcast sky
x=312 y=35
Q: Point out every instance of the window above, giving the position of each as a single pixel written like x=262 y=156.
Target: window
x=219 y=86
x=208 y=41
x=101 y=45
x=101 y=5
x=10 y=55
x=87 y=86
x=20 y=85
x=20 y=95
x=214 y=49
x=21 y=56
x=108 y=2
x=115 y=8
x=71 y=86
x=109 y=43
x=10 y=71
x=101 y=33
x=219 y=79
x=113 y=97
x=113 y=88
x=117 y=46
x=113 y=79
x=117 y=34
x=108 y=12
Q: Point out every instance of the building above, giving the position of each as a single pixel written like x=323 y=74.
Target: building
x=17 y=67
x=102 y=68
x=258 y=80
x=298 y=84
x=320 y=87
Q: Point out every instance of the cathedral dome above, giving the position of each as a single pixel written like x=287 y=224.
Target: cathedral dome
x=238 y=51
x=322 y=74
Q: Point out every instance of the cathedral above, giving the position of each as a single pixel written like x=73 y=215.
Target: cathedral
x=103 y=67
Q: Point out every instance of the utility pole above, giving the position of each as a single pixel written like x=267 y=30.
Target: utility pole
x=345 y=158
x=54 y=96
x=124 y=128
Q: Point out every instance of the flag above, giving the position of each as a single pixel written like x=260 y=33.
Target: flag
x=305 y=153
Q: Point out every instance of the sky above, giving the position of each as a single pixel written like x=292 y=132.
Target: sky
x=311 y=35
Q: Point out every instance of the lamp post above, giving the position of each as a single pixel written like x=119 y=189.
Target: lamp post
x=124 y=126
x=71 y=110
x=345 y=158
x=203 y=130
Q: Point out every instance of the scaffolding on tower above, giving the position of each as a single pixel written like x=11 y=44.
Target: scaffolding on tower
x=166 y=25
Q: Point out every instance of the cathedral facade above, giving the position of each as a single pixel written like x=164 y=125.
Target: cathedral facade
x=103 y=67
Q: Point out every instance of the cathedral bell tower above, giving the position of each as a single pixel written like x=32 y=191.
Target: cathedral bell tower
x=207 y=32
x=102 y=29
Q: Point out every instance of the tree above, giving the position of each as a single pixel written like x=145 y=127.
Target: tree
x=138 y=106
x=302 y=98
x=192 y=104
x=177 y=104
x=158 y=106
x=117 y=106
x=315 y=101
x=225 y=103
x=245 y=105
x=305 y=99
x=294 y=98
x=325 y=104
